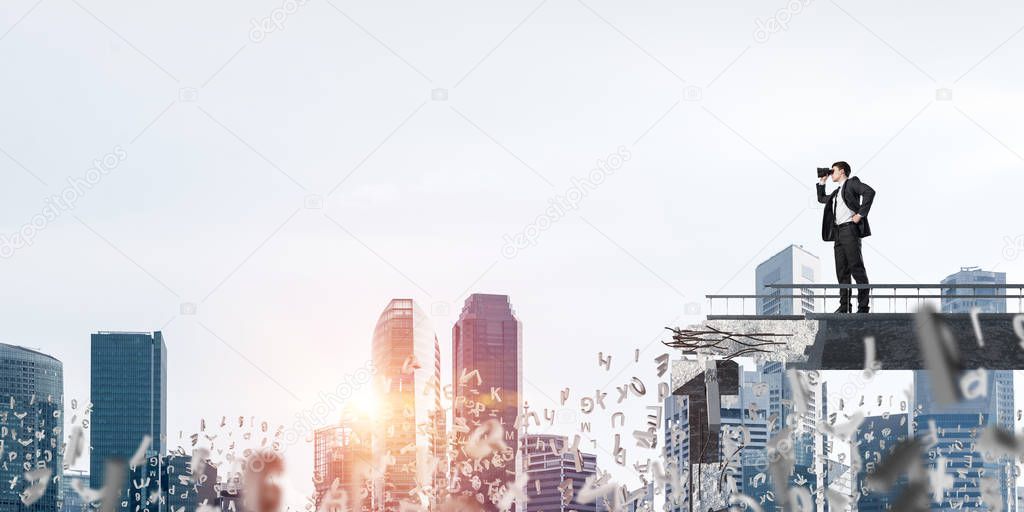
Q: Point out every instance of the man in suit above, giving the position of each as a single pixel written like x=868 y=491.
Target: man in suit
x=845 y=222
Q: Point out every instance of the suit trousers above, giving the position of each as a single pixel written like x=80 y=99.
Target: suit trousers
x=850 y=262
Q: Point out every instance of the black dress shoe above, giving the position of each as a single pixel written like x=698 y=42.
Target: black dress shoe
x=865 y=310
x=844 y=309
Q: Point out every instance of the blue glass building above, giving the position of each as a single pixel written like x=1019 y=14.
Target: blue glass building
x=951 y=303
x=72 y=501
x=958 y=426
x=677 y=451
x=748 y=413
x=186 y=488
x=129 y=400
x=32 y=399
x=876 y=437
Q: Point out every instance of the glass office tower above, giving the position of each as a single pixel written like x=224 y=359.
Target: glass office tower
x=72 y=501
x=953 y=303
x=792 y=265
x=551 y=461
x=407 y=356
x=876 y=438
x=31 y=408
x=129 y=399
x=677 y=452
x=957 y=426
x=186 y=487
x=486 y=339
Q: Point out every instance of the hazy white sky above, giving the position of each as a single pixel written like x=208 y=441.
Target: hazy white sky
x=221 y=135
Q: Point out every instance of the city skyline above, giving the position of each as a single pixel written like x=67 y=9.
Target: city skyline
x=256 y=180
x=404 y=309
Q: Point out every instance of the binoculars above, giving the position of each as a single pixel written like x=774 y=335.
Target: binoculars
x=824 y=171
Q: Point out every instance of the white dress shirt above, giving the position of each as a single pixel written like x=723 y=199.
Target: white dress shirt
x=843 y=213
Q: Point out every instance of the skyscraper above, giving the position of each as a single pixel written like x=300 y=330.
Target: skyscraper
x=344 y=453
x=957 y=427
x=187 y=488
x=72 y=501
x=677 y=452
x=876 y=438
x=556 y=474
x=792 y=265
x=811 y=450
x=487 y=362
x=407 y=356
x=749 y=420
x=129 y=400
x=32 y=399
x=145 y=485
x=973 y=275
x=640 y=500
x=773 y=374
x=745 y=417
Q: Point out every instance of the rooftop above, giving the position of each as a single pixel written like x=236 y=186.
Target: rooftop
x=31 y=350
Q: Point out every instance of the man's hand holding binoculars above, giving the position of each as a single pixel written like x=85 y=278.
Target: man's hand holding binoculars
x=823 y=174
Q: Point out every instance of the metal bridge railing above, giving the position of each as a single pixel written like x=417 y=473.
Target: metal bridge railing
x=885 y=298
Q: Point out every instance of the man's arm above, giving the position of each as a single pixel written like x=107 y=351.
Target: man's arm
x=822 y=198
x=867 y=195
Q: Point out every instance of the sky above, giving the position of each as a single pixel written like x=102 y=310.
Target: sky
x=271 y=174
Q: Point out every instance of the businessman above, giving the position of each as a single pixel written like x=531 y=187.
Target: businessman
x=845 y=222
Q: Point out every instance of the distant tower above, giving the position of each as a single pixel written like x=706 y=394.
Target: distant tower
x=407 y=356
x=31 y=407
x=546 y=463
x=792 y=265
x=344 y=453
x=973 y=275
x=640 y=499
x=773 y=373
x=876 y=438
x=812 y=449
x=129 y=400
x=677 y=451
x=72 y=501
x=486 y=339
x=955 y=421
x=747 y=413
x=186 y=487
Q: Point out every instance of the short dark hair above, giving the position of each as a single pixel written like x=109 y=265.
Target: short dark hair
x=844 y=166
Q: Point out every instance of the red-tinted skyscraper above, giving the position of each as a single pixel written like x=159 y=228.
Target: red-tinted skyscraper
x=487 y=380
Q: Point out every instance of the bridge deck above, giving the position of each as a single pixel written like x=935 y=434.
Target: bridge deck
x=826 y=341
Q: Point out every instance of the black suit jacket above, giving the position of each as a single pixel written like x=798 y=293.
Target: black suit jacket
x=857 y=196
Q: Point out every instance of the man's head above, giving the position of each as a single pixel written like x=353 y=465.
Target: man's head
x=840 y=171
